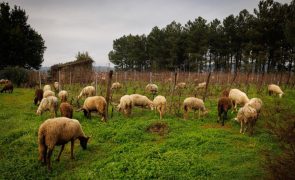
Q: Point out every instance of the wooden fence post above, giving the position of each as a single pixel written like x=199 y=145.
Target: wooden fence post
x=172 y=93
x=108 y=93
x=207 y=84
x=39 y=79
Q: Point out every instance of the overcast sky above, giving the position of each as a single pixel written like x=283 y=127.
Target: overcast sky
x=69 y=26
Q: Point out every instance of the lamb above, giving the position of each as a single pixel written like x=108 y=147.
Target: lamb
x=63 y=96
x=224 y=104
x=238 y=97
x=66 y=110
x=48 y=104
x=48 y=93
x=56 y=132
x=46 y=87
x=247 y=116
x=272 y=88
x=87 y=91
x=8 y=87
x=125 y=105
x=56 y=86
x=160 y=105
x=181 y=85
x=142 y=101
x=94 y=103
x=38 y=96
x=152 y=88
x=195 y=104
x=116 y=85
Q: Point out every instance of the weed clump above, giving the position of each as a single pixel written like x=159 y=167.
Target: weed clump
x=160 y=128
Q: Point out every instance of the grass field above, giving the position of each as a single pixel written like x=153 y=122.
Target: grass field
x=122 y=148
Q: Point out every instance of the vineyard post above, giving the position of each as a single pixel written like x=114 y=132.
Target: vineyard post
x=207 y=84
x=108 y=93
x=39 y=79
x=95 y=83
x=172 y=93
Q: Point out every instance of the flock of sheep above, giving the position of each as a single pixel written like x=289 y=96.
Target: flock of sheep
x=59 y=131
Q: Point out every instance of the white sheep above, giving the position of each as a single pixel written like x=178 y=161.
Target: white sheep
x=256 y=103
x=238 y=97
x=192 y=103
x=48 y=93
x=152 y=88
x=56 y=86
x=63 y=95
x=142 y=101
x=272 y=88
x=87 y=91
x=160 y=104
x=48 y=104
x=201 y=86
x=180 y=85
x=116 y=85
x=46 y=87
x=96 y=104
x=59 y=131
x=247 y=117
x=125 y=105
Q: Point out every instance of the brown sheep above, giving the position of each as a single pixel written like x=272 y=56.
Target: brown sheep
x=225 y=93
x=56 y=132
x=38 y=96
x=224 y=104
x=66 y=110
x=96 y=104
x=8 y=87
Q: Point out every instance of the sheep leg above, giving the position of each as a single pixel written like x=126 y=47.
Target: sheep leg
x=48 y=159
x=241 y=129
x=61 y=149
x=199 y=114
x=72 y=149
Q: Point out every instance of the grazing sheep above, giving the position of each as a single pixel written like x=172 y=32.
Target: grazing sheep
x=38 y=96
x=272 y=88
x=194 y=104
x=48 y=93
x=116 y=85
x=87 y=91
x=201 y=86
x=256 y=103
x=181 y=85
x=238 y=97
x=224 y=104
x=125 y=105
x=46 y=87
x=56 y=86
x=56 y=132
x=63 y=96
x=48 y=104
x=66 y=110
x=160 y=105
x=152 y=88
x=247 y=116
x=8 y=87
x=142 y=101
x=96 y=104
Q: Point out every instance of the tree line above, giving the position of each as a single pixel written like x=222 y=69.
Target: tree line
x=259 y=42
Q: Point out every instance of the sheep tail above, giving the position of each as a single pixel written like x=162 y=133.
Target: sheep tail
x=41 y=146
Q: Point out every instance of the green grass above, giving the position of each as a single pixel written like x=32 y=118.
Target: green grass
x=122 y=148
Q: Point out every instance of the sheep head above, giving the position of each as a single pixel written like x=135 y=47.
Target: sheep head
x=83 y=142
